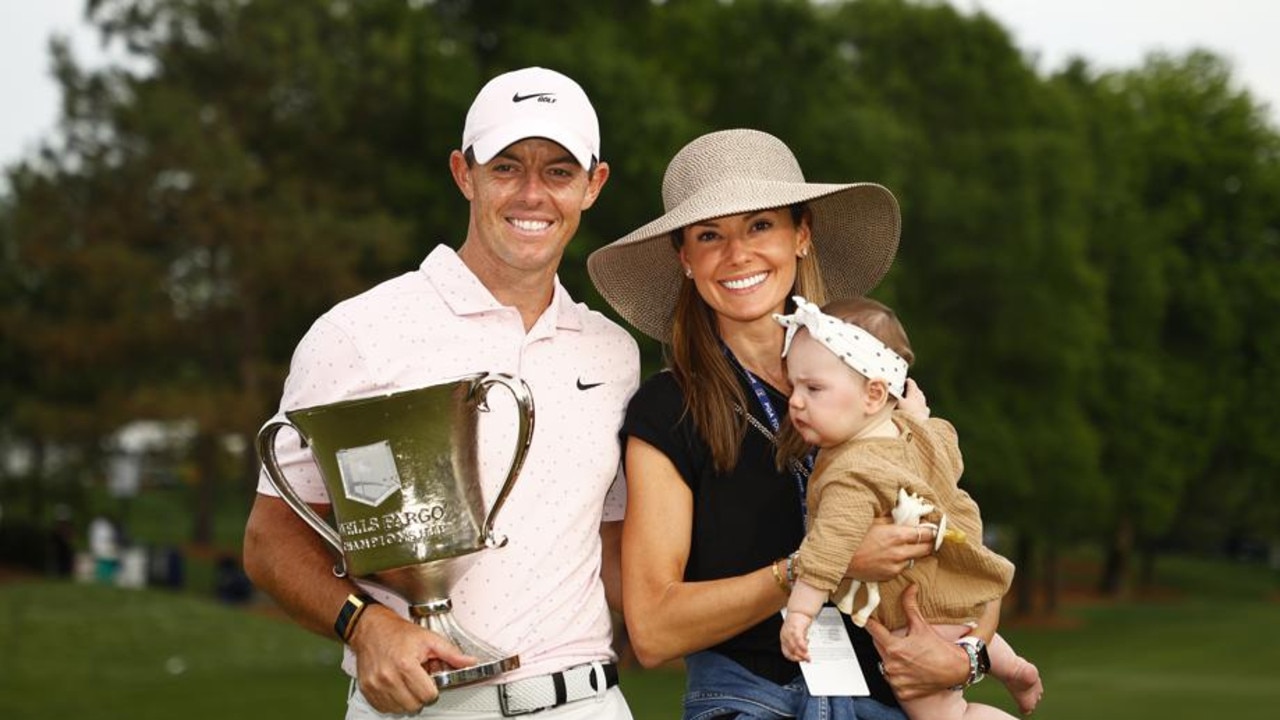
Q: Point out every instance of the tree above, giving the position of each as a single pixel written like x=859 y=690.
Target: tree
x=1077 y=250
x=992 y=276
x=157 y=239
x=1175 y=244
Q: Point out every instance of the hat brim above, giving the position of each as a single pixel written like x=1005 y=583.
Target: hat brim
x=493 y=141
x=855 y=232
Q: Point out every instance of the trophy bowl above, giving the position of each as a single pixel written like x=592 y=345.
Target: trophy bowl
x=401 y=471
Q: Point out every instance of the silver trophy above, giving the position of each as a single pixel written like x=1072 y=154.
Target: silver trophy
x=402 y=475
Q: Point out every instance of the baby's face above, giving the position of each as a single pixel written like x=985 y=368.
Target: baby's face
x=828 y=398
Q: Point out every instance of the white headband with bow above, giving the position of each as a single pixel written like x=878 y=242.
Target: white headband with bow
x=858 y=348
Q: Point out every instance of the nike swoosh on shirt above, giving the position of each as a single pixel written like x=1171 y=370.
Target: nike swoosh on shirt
x=521 y=98
x=587 y=386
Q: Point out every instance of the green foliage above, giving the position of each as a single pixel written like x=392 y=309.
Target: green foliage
x=1088 y=267
x=1181 y=160
x=993 y=278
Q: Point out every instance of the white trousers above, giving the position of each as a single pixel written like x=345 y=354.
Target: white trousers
x=610 y=706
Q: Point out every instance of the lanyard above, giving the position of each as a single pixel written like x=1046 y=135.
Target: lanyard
x=799 y=470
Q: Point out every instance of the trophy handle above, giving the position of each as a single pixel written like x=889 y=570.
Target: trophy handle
x=267 y=452
x=524 y=401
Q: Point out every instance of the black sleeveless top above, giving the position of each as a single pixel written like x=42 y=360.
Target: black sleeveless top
x=742 y=521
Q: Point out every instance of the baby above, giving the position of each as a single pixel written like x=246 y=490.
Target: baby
x=848 y=370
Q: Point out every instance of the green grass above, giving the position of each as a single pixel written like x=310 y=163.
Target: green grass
x=653 y=694
x=1186 y=659
x=92 y=653
x=1204 y=647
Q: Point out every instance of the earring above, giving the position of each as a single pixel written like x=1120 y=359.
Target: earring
x=688 y=271
x=804 y=251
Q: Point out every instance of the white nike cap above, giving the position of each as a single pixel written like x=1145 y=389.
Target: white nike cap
x=527 y=103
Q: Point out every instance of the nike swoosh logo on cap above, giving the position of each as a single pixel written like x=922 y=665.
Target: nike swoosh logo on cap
x=587 y=386
x=521 y=98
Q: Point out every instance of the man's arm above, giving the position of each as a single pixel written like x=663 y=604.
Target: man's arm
x=291 y=563
x=611 y=563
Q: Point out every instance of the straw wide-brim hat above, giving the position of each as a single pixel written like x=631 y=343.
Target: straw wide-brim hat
x=854 y=230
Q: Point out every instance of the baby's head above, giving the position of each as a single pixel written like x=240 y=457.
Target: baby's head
x=847 y=364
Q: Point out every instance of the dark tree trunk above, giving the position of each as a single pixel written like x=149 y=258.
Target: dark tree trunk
x=206 y=458
x=1147 y=567
x=1115 y=570
x=36 y=480
x=1024 y=580
x=1052 y=579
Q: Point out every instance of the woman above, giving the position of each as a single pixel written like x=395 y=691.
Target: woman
x=710 y=520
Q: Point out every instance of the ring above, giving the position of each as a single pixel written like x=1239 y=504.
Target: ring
x=881 y=666
x=911 y=563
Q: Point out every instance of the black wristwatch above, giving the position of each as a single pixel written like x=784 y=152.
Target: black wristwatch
x=350 y=614
x=979 y=660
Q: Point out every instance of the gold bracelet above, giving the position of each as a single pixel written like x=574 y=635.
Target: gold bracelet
x=777 y=577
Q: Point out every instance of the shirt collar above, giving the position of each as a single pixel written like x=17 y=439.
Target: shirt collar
x=463 y=292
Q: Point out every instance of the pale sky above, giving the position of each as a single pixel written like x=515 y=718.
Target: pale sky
x=1112 y=34
x=26 y=84
x=1117 y=34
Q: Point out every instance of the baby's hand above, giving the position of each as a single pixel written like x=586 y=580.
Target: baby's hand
x=795 y=636
x=913 y=401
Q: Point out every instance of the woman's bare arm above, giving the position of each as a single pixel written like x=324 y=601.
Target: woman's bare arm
x=667 y=617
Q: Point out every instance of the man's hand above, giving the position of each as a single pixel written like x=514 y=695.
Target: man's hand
x=921 y=662
x=391 y=654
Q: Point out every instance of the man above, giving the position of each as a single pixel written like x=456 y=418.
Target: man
x=529 y=165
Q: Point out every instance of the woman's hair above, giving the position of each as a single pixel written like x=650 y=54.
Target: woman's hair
x=712 y=392
x=872 y=316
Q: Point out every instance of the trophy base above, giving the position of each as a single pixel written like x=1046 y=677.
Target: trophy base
x=451 y=677
x=437 y=617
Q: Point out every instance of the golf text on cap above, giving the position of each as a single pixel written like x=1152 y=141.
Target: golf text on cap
x=542 y=97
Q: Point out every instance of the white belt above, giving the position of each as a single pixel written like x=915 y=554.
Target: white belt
x=529 y=695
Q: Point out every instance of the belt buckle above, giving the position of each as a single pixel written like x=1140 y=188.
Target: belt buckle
x=505 y=707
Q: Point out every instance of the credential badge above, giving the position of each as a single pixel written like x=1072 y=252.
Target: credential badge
x=368 y=473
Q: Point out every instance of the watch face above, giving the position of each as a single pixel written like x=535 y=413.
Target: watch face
x=984 y=660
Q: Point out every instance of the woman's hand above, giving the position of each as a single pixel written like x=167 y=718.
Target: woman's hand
x=889 y=549
x=921 y=662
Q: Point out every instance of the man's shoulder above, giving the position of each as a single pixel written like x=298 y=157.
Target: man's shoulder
x=416 y=282
x=597 y=323
x=377 y=302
